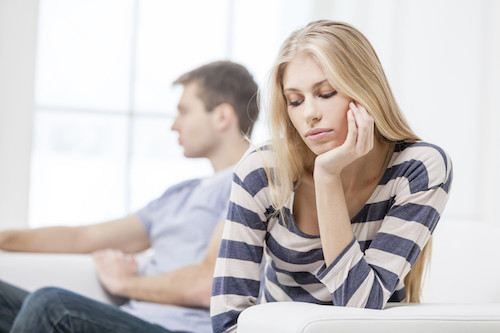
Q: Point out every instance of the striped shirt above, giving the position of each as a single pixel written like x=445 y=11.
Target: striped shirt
x=390 y=230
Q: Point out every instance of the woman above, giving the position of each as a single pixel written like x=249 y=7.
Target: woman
x=344 y=201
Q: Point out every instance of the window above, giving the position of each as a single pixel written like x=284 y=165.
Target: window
x=102 y=145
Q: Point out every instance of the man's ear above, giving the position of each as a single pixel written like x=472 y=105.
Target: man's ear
x=224 y=116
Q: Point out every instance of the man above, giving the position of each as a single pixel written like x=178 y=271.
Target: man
x=216 y=112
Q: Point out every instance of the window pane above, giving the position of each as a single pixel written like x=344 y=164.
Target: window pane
x=83 y=58
x=158 y=161
x=174 y=37
x=78 y=168
x=256 y=44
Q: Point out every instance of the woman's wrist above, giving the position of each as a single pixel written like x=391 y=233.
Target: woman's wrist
x=329 y=177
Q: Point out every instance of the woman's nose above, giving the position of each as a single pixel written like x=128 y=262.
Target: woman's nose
x=311 y=112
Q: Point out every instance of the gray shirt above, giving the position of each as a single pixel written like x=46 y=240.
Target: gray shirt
x=180 y=224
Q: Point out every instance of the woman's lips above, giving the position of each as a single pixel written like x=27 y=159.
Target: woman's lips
x=318 y=134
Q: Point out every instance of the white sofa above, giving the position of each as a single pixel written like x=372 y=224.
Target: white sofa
x=32 y=271
x=75 y=272
x=461 y=294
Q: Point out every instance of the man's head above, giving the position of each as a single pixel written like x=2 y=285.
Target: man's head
x=218 y=101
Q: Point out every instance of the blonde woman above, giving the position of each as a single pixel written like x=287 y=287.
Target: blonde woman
x=343 y=203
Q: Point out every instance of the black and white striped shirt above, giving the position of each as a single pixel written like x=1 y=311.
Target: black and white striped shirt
x=390 y=231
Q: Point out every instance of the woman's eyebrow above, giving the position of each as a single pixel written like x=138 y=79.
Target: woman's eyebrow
x=314 y=86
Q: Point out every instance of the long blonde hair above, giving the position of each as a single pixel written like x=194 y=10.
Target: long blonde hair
x=353 y=68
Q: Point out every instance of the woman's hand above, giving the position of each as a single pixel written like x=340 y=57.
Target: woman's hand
x=359 y=141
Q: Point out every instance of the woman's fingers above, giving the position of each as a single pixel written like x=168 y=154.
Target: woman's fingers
x=352 y=131
x=371 y=127
x=364 y=122
x=363 y=137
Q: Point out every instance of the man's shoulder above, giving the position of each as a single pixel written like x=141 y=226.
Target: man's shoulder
x=188 y=183
x=220 y=178
x=209 y=184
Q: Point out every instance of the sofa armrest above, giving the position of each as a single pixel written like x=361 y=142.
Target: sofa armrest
x=75 y=272
x=288 y=317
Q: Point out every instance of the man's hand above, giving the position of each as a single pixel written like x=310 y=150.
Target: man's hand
x=115 y=270
x=358 y=143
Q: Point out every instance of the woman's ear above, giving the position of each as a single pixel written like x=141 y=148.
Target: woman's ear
x=224 y=116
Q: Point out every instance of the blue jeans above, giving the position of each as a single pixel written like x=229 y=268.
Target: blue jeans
x=58 y=310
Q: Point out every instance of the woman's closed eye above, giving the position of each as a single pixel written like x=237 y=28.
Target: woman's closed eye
x=294 y=102
x=328 y=94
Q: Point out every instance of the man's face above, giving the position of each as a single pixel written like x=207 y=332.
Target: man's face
x=195 y=125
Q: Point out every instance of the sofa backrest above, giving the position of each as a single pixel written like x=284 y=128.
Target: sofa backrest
x=465 y=263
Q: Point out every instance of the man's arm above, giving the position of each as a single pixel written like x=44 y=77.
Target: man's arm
x=126 y=234
x=187 y=286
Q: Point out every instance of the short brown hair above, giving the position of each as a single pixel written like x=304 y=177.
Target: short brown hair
x=226 y=82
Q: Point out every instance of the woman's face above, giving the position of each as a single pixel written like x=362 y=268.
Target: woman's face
x=317 y=111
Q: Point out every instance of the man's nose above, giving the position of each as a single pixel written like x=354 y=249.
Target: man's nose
x=174 y=126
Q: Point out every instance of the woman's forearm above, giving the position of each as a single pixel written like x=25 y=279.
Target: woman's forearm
x=333 y=216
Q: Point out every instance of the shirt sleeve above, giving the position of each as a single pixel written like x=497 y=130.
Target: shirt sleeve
x=369 y=279
x=236 y=281
x=147 y=214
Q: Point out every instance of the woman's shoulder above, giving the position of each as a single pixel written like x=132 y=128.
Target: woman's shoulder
x=419 y=159
x=254 y=167
x=421 y=151
x=256 y=157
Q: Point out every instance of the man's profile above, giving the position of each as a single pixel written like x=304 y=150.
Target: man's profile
x=216 y=113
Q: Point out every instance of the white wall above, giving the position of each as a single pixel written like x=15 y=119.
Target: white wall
x=442 y=59
x=17 y=58
x=490 y=139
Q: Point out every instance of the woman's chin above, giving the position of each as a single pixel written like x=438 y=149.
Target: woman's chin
x=319 y=149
